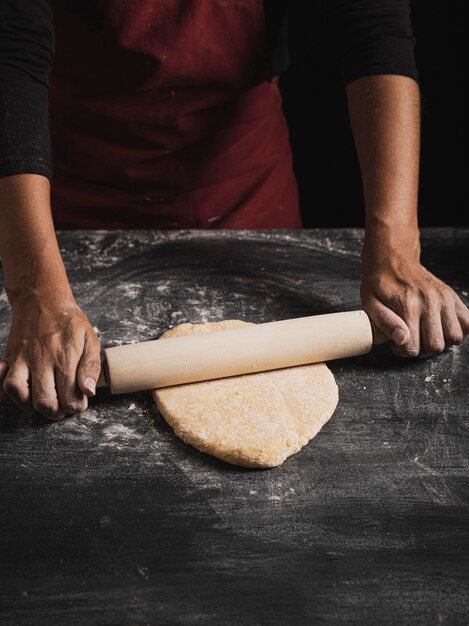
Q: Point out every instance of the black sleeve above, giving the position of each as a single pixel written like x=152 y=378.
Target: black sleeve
x=26 y=51
x=374 y=37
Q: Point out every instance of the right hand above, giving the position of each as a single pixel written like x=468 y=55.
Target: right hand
x=52 y=359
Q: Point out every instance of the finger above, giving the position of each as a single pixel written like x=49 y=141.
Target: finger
x=3 y=373
x=463 y=316
x=432 y=337
x=411 y=347
x=71 y=399
x=89 y=366
x=16 y=386
x=452 y=330
x=387 y=321
x=44 y=394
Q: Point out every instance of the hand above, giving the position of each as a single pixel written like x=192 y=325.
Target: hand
x=418 y=312
x=52 y=360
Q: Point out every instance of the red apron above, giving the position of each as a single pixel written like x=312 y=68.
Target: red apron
x=164 y=114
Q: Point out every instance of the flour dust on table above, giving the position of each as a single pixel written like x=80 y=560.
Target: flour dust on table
x=253 y=420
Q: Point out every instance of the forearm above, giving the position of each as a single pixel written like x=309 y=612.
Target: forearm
x=385 y=117
x=412 y=307
x=28 y=245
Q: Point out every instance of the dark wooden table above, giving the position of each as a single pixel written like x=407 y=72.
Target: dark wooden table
x=108 y=518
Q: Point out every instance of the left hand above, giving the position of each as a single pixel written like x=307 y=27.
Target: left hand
x=417 y=311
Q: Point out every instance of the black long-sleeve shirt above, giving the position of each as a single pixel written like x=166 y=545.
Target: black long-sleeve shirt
x=373 y=36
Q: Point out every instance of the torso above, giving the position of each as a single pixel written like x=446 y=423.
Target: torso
x=165 y=115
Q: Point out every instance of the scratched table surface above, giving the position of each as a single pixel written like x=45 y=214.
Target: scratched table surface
x=109 y=518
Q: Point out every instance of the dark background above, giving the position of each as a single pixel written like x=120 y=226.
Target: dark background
x=315 y=107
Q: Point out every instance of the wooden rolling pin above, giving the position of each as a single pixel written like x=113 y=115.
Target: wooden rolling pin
x=233 y=351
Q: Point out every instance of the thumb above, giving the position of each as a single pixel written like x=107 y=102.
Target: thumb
x=3 y=373
x=89 y=365
x=388 y=322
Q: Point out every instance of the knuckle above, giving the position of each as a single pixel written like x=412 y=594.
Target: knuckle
x=378 y=286
x=397 y=300
x=410 y=350
x=43 y=405
x=444 y=292
x=432 y=298
x=22 y=345
x=95 y=344
x=64 y=358
x=436 y=346
x=92 y=364
x=455 y=337
x=405 y=351
x=412 y=301
x=67 y=377
x=73 y=407
x=405 y=302
x=92 y=336
x=11 y=385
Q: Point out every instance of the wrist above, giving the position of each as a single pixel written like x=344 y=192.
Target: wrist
x=390 y=244
x=33 y=267
x=51 y=295
x=39 y=281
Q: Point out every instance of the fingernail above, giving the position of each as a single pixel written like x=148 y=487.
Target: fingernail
x=90 y=385
x=399 y=336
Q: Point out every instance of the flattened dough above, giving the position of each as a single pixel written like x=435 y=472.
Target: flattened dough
x=253 y=420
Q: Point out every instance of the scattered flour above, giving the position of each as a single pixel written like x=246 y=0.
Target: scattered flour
x=129 y=290
x=118 y=432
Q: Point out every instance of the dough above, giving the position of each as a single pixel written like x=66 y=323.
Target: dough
x=253 y=420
